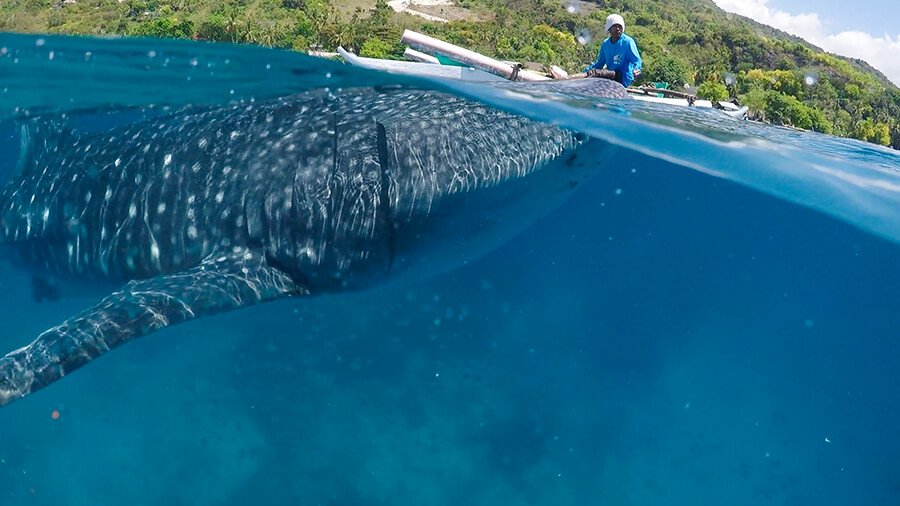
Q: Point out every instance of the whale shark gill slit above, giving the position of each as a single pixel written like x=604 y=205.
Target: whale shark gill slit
x=385 y=197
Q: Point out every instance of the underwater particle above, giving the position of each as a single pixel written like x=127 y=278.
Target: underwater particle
x=55 y=414
x=51 y=55
x=687 y=405
x=809 y=323
x=827 y=440
x=328 y=75
x=152 y=54
x=40 y=42
x=768 y=454
x=618 y=191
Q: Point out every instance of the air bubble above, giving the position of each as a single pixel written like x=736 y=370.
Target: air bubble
x=584 y=36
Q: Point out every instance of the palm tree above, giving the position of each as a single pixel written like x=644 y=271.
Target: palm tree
x=268 y=35
x=249 y=34
x=232 y=24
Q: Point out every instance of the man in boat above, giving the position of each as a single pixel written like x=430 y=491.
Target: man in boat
x=618 y=53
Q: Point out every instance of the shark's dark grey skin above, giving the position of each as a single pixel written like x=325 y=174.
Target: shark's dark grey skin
x=200 y=212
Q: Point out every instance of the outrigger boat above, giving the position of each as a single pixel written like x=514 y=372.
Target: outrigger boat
x=427 y=53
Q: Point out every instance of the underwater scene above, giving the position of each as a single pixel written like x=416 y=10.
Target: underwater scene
x=476 y=294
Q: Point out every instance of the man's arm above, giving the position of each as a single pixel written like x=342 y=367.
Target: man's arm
x=638 y=63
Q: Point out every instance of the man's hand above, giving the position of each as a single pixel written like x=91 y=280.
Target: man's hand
x=603 y=73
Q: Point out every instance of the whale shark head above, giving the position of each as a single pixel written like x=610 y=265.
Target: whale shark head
x=415 y=181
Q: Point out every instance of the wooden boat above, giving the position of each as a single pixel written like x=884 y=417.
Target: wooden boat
x=476 y=67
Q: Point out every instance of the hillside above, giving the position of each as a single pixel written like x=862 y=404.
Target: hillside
x=685 y=43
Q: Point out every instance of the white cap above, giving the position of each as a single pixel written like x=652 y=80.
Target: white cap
x=614 y=19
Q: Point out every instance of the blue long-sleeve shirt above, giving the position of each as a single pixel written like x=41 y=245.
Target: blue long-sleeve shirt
x=621 y=56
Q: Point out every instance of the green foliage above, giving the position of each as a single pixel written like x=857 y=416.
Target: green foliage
x=163 y=27
x=375 y=48
x=213 y=28
x=665 y=69
x=545 y=44
x=782 y=109
x=868 y=130
x=711 y=90
x=783 y=81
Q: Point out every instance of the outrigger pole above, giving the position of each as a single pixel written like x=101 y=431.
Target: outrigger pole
x=434 y=46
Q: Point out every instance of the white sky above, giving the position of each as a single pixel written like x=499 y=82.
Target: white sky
x=864 y=29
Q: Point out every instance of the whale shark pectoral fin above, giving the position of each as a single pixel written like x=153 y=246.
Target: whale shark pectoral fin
x=220 y=283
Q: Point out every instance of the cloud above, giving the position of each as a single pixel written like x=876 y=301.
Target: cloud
x=880 y=52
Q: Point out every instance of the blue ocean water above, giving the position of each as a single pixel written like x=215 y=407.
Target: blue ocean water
x=712 y=319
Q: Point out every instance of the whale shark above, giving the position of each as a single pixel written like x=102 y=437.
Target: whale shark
x=209 y=209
